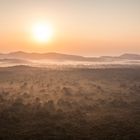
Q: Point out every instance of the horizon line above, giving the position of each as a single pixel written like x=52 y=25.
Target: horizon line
x=20 y=51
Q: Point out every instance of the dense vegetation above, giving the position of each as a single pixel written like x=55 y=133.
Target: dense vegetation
x=69 y=104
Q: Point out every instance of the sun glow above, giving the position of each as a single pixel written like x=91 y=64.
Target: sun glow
x=42 y=32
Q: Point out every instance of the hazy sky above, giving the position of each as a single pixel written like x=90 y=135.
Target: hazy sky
x=85 y=27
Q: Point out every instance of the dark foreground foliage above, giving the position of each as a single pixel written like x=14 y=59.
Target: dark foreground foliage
x=69 y=104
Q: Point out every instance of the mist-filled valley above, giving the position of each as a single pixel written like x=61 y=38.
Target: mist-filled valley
x=55 y=60
x=69 y=69
x=70 y=103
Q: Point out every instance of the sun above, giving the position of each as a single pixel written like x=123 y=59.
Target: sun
x=42 y=32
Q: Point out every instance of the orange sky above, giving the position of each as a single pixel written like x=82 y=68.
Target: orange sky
x=91 y=27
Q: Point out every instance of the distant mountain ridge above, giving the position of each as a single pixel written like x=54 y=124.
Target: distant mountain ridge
x=65 y=57
x=130 y=56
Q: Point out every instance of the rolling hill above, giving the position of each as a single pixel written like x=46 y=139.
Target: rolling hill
x=65 y=57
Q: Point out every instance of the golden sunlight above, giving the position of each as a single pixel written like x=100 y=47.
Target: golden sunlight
x=42 y=32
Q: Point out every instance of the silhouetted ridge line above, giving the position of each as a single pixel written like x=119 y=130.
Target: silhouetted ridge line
x=63 y=57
